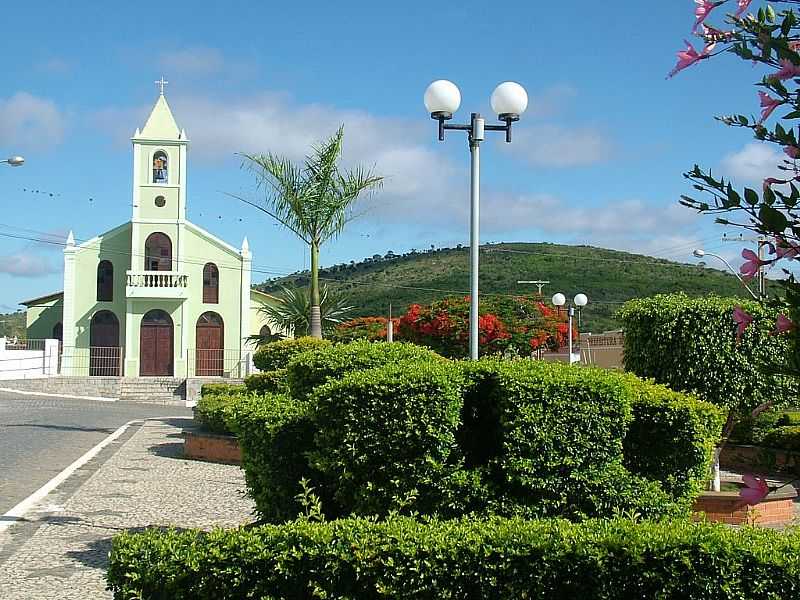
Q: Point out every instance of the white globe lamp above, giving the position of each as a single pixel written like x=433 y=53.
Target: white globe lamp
x=559 y=299
x=442 y=99
x=581 y=300
x=509 y=100
x=15 y=161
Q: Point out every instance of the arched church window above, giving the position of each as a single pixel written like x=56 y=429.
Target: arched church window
x=160 y=167
x=157 y=252
x=105 y=281
x=210 y=284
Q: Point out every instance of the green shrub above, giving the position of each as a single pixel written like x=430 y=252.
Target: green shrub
x=385 y=437
x=547 y=440
x=307 y=371
x=689 y=344
x=211 y=389
x=276 y=355
x=671 y=438
x=267 y=382
x=210 y=412
x=406 y=559
x=789 y=417
x=275 y=433
x=786 y=437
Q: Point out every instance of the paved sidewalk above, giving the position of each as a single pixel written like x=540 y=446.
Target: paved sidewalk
x=62 y=551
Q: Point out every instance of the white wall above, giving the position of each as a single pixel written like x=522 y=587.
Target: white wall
x=28 y=364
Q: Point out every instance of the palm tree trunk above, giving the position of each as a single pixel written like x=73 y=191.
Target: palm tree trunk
x=315 y=317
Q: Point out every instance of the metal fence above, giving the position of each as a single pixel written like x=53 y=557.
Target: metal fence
x=203 y=362
x=19 y=344
x=95 y=361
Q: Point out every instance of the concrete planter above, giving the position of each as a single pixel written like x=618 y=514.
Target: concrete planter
x=759 y=459
x=723 y=507
x=212 y=447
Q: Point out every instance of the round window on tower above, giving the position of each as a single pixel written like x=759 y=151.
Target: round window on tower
x=160 y=201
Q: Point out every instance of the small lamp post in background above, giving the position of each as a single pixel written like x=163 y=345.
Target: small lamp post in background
x=509 y=100
x=14 y=161
x=580 y=300
x=698 y=253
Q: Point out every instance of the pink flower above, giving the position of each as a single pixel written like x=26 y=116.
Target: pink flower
x=701 y=12
x=742 y=320
x=712 y=34
x=783 y=248
x=756 y=490
x=761 y=408
x=752 y=263
x=794 y=45
x=743 y=6
x=792 y=151
x=768 y=104
x=782 y=325
x=770 y=181
x=688 y=57
x=788 y=70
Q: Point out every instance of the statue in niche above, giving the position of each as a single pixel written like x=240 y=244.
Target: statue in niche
x=160 y=167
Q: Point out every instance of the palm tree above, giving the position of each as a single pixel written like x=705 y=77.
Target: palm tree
x=314 y=200
x=291 y=307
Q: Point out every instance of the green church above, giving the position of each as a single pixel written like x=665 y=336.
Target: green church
x=158 y=295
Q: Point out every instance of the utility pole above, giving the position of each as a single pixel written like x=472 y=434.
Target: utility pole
x=761 y=278
x=539 y=283
x=390 y=326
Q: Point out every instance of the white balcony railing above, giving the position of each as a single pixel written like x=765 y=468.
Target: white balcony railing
x=157 y=284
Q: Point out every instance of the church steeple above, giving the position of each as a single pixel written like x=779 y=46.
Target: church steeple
x=160 y=124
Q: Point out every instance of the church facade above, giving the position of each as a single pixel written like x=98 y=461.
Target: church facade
x=158 y=295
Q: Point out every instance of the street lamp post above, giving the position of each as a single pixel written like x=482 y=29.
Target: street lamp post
x=698 y=253
x=14 y=161
x=580 y=300
x=509 y=100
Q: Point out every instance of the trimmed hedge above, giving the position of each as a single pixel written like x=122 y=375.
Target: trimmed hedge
x=511 y=438
x=210 y=412
x=212 y=389
x=275 y=432
x=311 y=369
x=689 y=344
x=786 y=437
x=385 y=437
x=671 y=438
x=268 y=382
x=276 y=355
x=505 y=559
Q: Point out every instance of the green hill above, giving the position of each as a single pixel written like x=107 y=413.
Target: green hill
x=607 y=277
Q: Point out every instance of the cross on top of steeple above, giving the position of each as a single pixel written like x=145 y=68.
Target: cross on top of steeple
x=162 y=82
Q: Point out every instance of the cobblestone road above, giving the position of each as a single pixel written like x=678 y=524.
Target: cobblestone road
x=62 y=551
x=39 y=436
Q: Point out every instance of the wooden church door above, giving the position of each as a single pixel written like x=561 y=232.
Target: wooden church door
x=210 y=336
x=155 y=344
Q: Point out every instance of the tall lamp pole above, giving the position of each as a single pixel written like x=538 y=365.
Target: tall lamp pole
x=509 y=100
x=14 y=161
x=580 y=300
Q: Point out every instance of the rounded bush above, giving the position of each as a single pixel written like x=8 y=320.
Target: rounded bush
x=276 y=355
x=311 y=369
x=385 y=437
x=689 y=344
x=267 y=382
x=786 y=437
x=210 y=389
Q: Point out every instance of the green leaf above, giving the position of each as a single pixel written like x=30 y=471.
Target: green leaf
x=750 y=196
x=773 y=220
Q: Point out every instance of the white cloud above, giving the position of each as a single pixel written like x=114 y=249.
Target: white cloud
x=27 y=265
x=548 y=145
x=192 y=61
x=27 y=121
x=753 y=163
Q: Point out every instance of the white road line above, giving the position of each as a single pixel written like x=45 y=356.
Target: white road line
x=51 y=395
x=17 y=513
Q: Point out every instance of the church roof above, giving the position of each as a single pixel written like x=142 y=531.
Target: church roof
x=160 y=124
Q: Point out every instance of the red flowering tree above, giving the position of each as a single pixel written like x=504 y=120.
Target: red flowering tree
x=506 y=324
x=362 y=328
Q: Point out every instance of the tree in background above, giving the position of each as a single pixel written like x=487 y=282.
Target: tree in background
x=292 y=306
x=314 y=200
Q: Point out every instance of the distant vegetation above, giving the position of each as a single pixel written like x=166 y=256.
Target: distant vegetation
x=607 y=277
x=12 y=324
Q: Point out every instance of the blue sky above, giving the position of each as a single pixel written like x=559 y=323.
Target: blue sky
x=597 y=158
